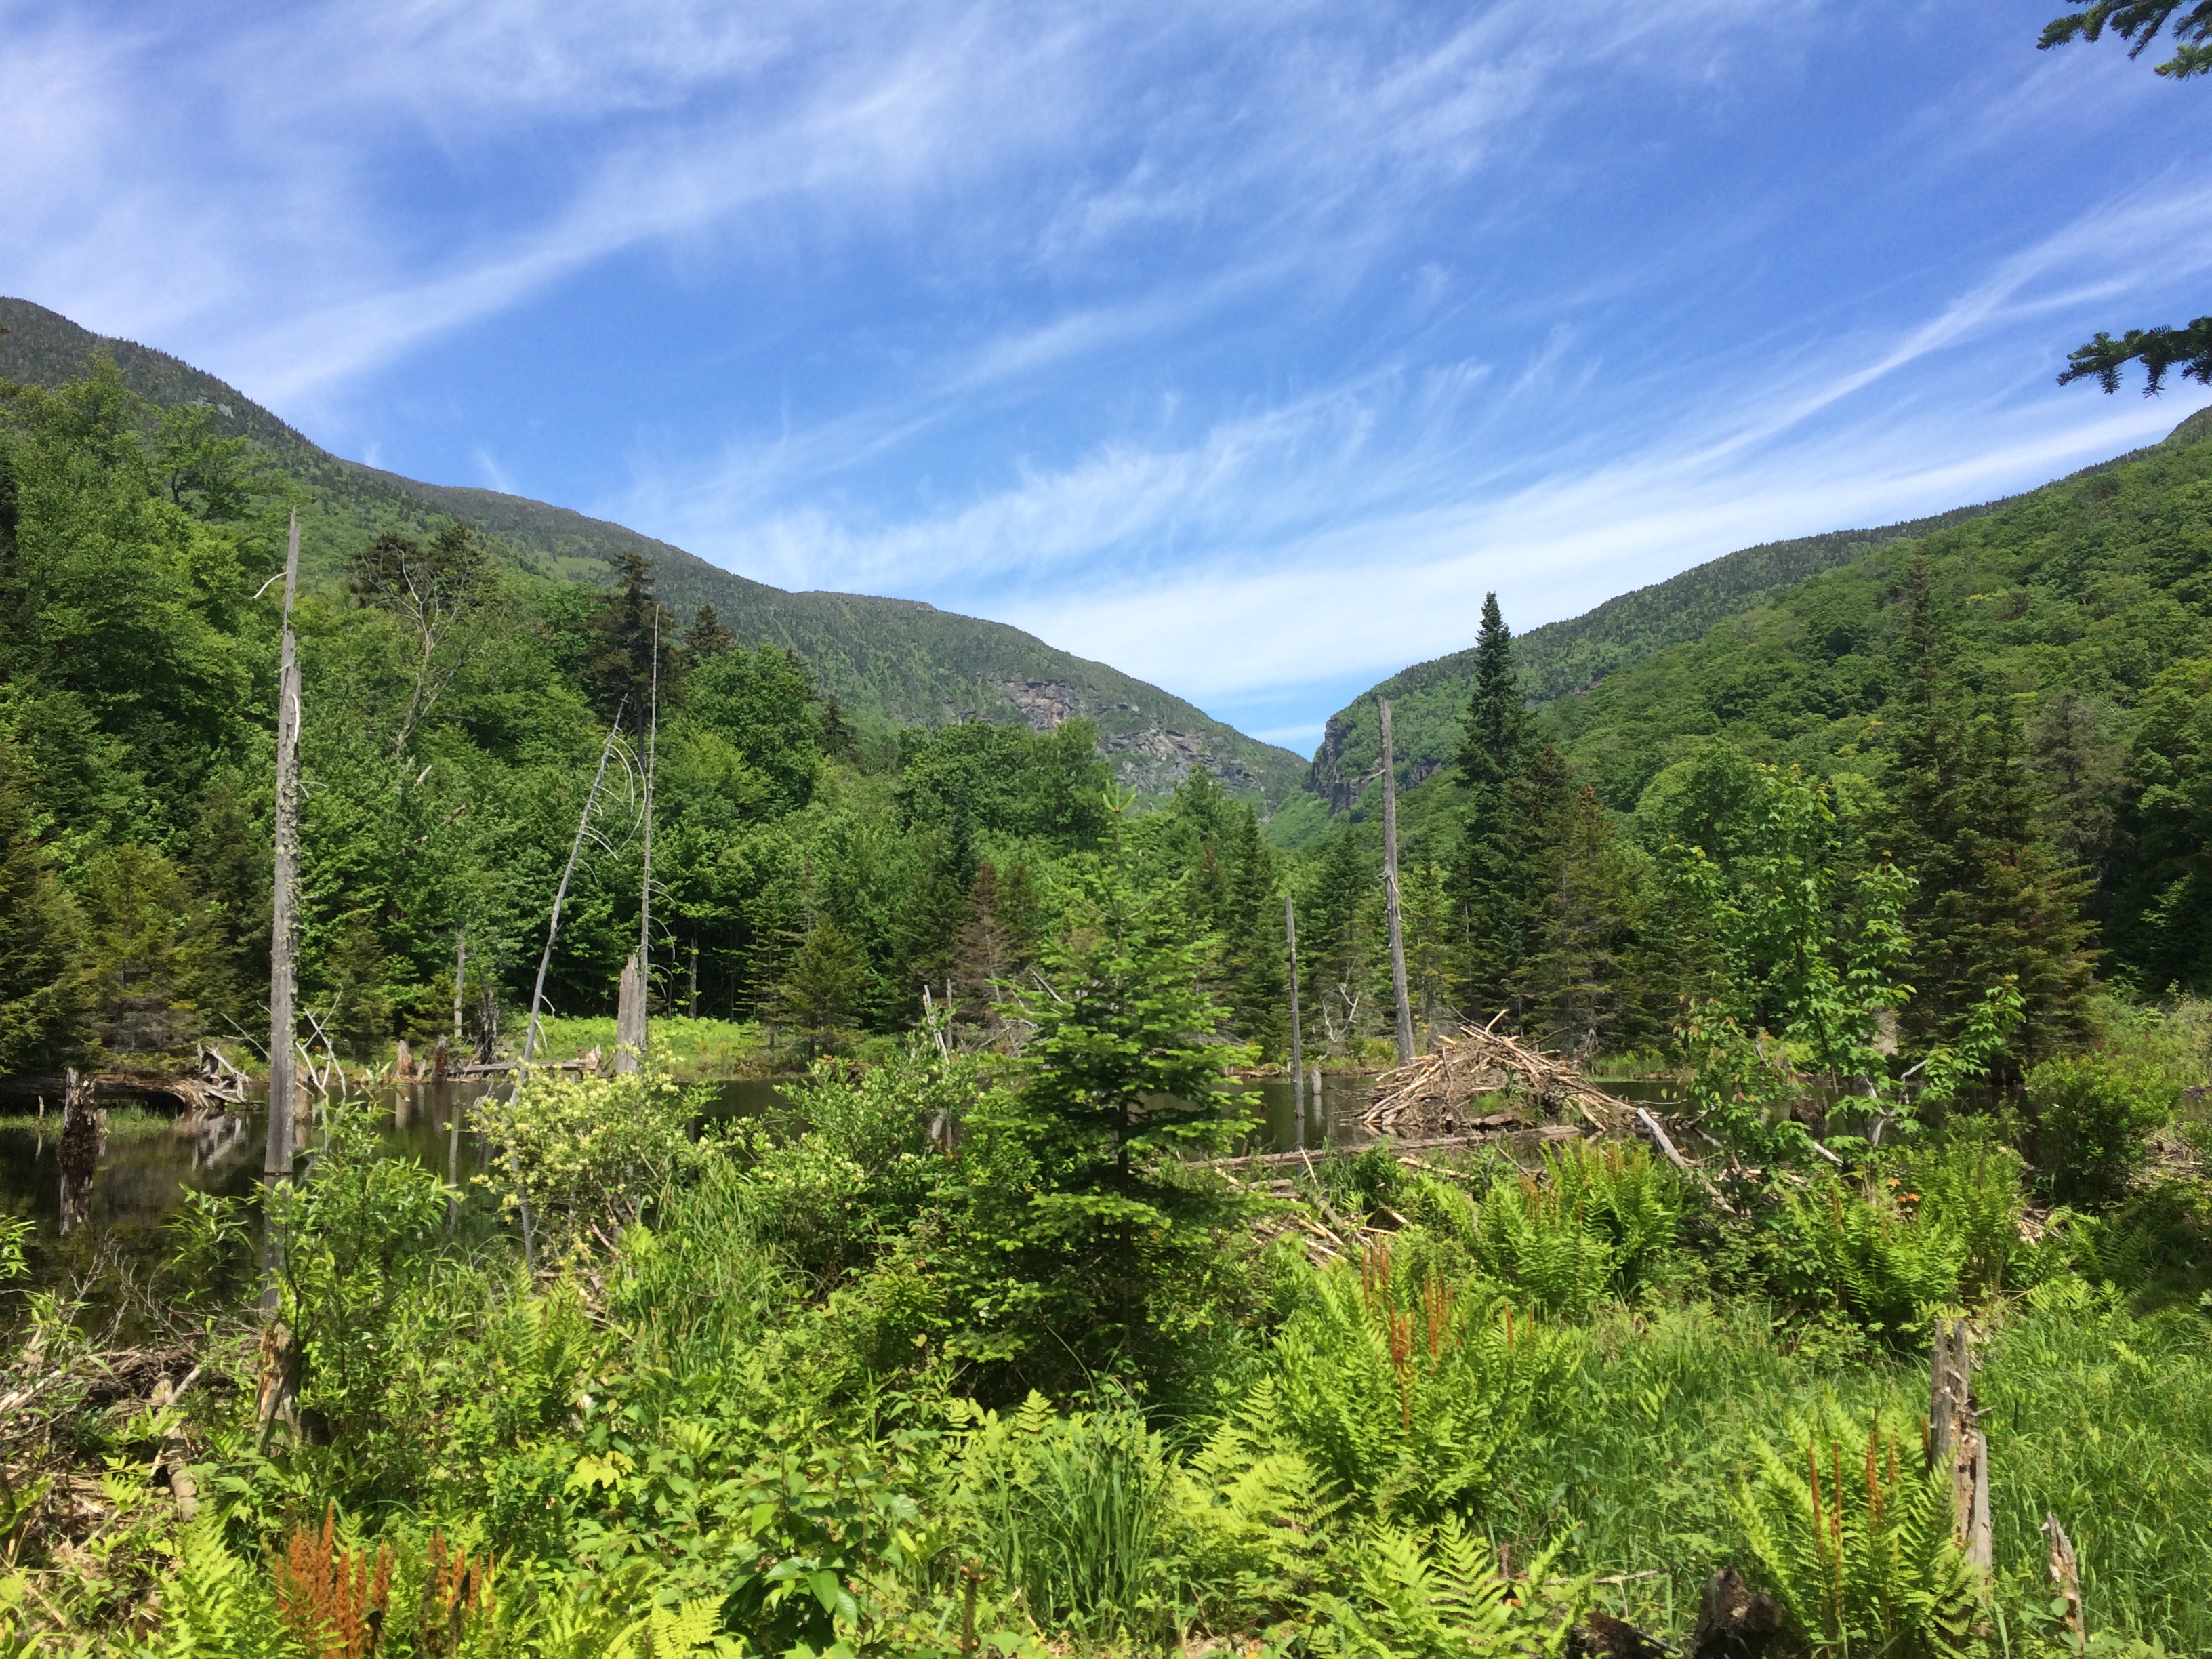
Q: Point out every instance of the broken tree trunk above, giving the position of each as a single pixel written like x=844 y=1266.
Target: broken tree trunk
x=84 y=1128
x=1297 y=1041
x=1957 y=1447
x=630 y=1018
x=1390 y=891
x=2066 y=1580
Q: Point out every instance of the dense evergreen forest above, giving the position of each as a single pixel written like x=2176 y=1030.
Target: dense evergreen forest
x=994 y=1331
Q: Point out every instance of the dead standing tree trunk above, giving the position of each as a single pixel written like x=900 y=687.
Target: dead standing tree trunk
x=1957 y=1447
x=84 y=1133
x=280 y=1363
x=1298 y=1040
x=1405 y=1007
x=637 y=972
x=630 y=1018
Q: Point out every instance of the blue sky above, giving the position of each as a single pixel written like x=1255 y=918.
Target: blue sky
x=1241 y=346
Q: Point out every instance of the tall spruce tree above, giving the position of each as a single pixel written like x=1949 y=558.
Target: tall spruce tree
x=1252 y=931
x=1992 y=902
x=1516 y=793
x=629 y=621
x=1577 y=983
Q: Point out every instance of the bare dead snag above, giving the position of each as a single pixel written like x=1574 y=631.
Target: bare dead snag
x=84 y=1133
x=2066 y=1578
x=1405 y=1007
x=280 y=1359
x=1297 y=1039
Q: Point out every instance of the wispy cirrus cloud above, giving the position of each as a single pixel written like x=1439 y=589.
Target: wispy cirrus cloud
x=1242 y=347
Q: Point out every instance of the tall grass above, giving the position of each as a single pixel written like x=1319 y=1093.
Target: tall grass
x=2105 y=1420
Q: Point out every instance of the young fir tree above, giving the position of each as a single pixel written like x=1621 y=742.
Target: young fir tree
x=2162 y=904
x=938 y=907
x=1254 y=960
x=822 y=984
x=1992 y=902
x=706 y=638
x=1091 y=1239
x=987 y=954
x=622 y=665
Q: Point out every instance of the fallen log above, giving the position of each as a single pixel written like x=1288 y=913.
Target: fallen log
x=1508 y=1133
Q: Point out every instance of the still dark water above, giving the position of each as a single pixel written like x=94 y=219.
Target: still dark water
x=144 y=1174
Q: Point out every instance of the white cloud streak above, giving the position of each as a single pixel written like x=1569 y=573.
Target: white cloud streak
x=1223 y=350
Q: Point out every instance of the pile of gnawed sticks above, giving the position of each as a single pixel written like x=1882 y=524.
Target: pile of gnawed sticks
x=1453 y=1090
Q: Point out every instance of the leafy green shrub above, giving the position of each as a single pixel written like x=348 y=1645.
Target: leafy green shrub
x=1852 y=1535
x=586 y=1153
x=866 y=1163
x=2091 y=1117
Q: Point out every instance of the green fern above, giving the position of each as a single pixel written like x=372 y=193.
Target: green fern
x=1248 y=1524
x=1402 y=1391
x=1438 y=1592
x=214 y=1606
x=1853 y=1537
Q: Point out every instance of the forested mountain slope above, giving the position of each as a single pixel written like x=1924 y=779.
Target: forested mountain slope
x=1564 y=658
x=888 y=662
x=2046 y=666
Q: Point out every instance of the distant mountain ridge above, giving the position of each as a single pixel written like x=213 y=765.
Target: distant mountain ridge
x=895 y=661
x=1564 y=658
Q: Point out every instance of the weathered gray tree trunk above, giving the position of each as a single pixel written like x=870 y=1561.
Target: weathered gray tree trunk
x=545 y=962
x=560 y=894
x=630 y=1018
x=1298 y=1040
x=1958 y=1447
x=279 y=1377
x=284 y=929
x=644 y=963
x=460 y=978
x=1390 y=891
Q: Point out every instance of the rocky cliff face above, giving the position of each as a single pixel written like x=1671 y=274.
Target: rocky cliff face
x=1350 y=757
x=1149 y=755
